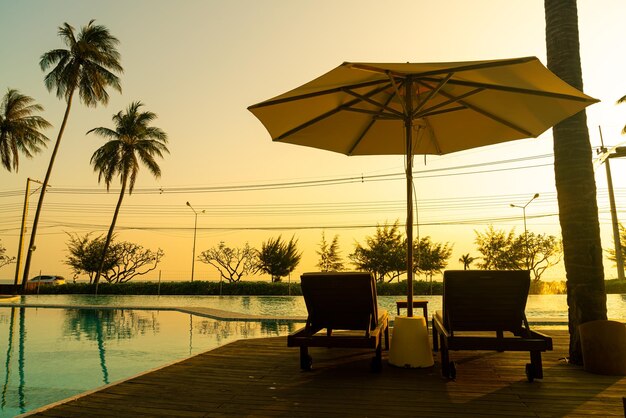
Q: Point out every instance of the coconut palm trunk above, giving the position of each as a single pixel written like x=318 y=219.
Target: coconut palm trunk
x=42 y=193
x=88 y=65
x=575 y=183
x=107 y=242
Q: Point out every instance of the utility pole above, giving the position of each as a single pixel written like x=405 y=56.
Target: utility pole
x=22 y=233
x=619 y=259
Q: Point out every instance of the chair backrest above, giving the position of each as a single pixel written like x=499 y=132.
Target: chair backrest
x=340 y=300
x=482 y=300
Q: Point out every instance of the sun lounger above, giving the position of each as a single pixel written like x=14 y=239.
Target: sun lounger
x=345 y=306
x=484 y=310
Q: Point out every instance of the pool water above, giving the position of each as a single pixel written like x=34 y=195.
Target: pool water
x=52 y=354
x=539 y=308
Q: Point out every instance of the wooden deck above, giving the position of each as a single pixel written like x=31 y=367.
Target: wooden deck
x=261 y=377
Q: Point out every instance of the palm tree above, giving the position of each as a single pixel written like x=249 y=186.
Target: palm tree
x=575 y=183
x=132 y=142
x=467 y=260
x=88 y=65
x=622 y=100
x=20 y=128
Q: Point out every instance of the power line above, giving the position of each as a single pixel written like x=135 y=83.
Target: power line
x=438 y=172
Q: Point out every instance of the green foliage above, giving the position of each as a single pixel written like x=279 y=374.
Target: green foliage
x=124 y=260
x=4 y=258
x=131 y=142
x=197 y=287
x=20 y=128
x=384 y=254
x=278 y=258
x=259 y=288
x=542 y=252
x=430 y=257
x=232 y=263
x=88 y=64
x=615 y=286
x=132 y=261
x=85 y=255
x=329 y=260
x=505 y=251
x=499 y=250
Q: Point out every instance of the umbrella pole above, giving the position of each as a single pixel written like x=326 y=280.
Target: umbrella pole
x=409 y=194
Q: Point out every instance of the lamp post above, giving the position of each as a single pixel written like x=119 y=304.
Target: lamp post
x=526 y=230
x=195 y=227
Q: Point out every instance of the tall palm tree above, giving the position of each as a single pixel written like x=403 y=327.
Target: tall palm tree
x=89 y=66
x=575 y=183
x=622 y=100
x=132 y=142
x=20 y=128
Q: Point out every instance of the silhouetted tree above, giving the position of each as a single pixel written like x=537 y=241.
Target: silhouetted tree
x=384 y=254
x=20 y=129
x=278 y=258
x=132 y=142
x=4 y=258
x=232 y=263
x=329 y=260
x=467 y=261
x=89 y=66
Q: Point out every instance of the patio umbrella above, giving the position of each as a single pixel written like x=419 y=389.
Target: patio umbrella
x=428 y=108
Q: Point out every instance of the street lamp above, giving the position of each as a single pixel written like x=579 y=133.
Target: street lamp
x=195 y=227
x=526 y=230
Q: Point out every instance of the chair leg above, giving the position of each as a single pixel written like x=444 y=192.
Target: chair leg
x=377 y=362
x=435 y=338
x=306 y=362
x=535 y=360
x=387 y=337
x=445 y=361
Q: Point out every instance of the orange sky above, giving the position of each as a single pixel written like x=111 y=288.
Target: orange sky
x=200 y=64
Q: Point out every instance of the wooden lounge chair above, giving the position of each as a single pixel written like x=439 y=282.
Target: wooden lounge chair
x=478 y=303
x=344 y=302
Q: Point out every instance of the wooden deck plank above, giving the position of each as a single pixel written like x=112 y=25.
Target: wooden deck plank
x=261 y=377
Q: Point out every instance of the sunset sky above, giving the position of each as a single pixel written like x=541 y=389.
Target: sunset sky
x=199 y=64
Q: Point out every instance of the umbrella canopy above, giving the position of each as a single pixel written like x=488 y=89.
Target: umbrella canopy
x=428 y=108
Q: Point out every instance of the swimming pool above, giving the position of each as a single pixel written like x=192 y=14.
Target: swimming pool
x=540 y=309
x=52 y=354
x=55 y=353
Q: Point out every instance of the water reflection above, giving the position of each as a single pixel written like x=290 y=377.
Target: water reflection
x=109 y=324
x=100 y=325
x=6 y=395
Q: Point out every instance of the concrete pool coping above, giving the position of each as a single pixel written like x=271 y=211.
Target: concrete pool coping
x=223 y=315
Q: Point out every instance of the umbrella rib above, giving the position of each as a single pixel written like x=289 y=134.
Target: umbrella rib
x=373 y=102
x=378 y=114
x=450 y=101
x=345 y=106
x=489 y=115
x=428 y=112
x=514 y=89
x=432 y=93
x=366 y=130
x=272 y=102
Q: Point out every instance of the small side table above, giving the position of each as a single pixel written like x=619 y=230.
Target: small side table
x=402 y=304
